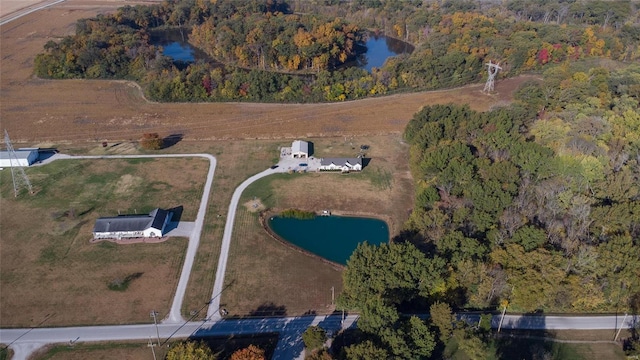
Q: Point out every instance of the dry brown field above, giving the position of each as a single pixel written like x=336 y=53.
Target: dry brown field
x=87 y=110
x=52 y=275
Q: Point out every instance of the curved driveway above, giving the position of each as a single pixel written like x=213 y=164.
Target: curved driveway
x=214 y=305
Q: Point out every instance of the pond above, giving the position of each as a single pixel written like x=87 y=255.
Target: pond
x=331 y=237
x=379 y=48
x=176 y=46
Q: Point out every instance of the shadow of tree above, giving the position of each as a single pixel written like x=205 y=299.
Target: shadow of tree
x=169 y=141
x=531 y=340
x=269 y=309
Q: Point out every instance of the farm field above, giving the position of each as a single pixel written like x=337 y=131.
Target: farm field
x=88 y=110
x=49 y=268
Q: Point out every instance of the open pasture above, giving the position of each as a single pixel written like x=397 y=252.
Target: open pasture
x=52 y=275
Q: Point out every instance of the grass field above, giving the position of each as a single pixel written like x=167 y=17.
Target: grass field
x=267 y=277
x=49 y=268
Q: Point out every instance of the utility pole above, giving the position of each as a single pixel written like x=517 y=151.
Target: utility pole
x=621 y=325
x=333 y=294
x=154 y=315
x=492 y=69
x=504 y=310
x=151 y=345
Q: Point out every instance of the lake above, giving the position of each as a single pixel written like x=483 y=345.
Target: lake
x=331 y=237
x=379 y=49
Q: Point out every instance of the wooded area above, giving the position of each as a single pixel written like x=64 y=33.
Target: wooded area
x=266 y=45
x=534 y=207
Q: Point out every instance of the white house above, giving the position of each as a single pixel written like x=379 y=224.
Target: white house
x=300 y=149
x=341 y=164
x=132 y=226
x=25 y=157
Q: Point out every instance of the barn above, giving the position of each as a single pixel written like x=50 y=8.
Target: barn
x=341 y=164
x=25 y=157
x=300 y=149
x=132 y=226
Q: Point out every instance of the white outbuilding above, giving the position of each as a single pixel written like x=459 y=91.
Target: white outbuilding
x=24 y=157
x=300 y=149
x=132 y=226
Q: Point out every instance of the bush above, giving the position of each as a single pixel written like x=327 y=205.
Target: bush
x=151 y=141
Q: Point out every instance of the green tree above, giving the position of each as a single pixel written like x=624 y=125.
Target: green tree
x=314 y=337
x=442 y=317
x=365 y=350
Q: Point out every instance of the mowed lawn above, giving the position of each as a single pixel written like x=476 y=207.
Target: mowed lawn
x=52 y=275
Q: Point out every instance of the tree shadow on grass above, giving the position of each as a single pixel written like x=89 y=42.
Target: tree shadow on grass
x=169 y=141
x=527 y=338
x=268 y=309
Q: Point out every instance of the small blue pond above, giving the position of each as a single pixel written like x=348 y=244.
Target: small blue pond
x=331 y=237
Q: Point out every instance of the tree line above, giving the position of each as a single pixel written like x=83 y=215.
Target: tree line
x=533 y=207
x=265 y=45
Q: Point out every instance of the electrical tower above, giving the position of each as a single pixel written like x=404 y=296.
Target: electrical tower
x=493 y=71
x=20 y=179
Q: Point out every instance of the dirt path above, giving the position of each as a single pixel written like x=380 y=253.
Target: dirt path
x=92 y=110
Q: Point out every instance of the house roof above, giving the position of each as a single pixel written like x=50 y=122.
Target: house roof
x=154 y=219
x=300 y=146
x=21 y=154
x=341 y=161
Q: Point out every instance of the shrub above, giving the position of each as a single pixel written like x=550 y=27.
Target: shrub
x=151 y=141
x=298 y=214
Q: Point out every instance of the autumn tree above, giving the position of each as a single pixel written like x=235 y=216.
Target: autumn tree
x=251 y=352
x=151 y=141
x=190 y=350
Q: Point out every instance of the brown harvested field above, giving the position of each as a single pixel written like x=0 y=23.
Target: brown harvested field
x=52 y=274
x=85 y=110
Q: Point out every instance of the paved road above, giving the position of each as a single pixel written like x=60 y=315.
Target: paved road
x=174 y=315
x=24 y=341
x=20 y=12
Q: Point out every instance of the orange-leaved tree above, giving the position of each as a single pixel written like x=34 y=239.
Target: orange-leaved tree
x=251 y=352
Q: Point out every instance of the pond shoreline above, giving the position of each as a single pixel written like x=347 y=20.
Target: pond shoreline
x=268 y=213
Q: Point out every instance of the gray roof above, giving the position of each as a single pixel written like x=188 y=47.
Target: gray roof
x=21 y=154
x=154 y=219
x=340 y=161
x=300 y=146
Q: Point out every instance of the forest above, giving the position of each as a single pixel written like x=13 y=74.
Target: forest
x=533 y=207
x=274 y=51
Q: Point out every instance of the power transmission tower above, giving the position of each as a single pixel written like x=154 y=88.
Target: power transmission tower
x=493 y=71
x=21 y=179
